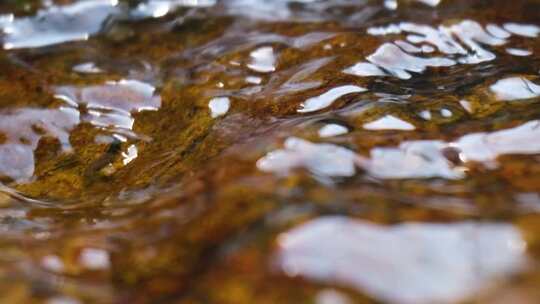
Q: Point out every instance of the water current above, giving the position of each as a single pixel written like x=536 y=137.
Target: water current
x=257 y=151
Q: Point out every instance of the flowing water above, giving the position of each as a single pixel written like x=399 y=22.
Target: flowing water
x=257 y=151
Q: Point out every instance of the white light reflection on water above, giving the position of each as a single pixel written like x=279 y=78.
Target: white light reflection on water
x=265 y=10
x=525 y=30
x=332 y=296
x=518 y=52
x=109 y=107
x=324 y=160
x=87 y=68
x=57 y=24
x=393 y=59
x=219 y=106
x=426 y=159
x=160 y=8
x=22 y=130
x=130 y=155
x=94 y=259
x=430 y=2
x=486 y=147
x=111 y=104
x=414 y=159
x=331 y=130
x=463 y=42
x=412 y=263
x=326 y=99
x=389 y=122
x=263 y=60
x=411 y=159
x=515 y=88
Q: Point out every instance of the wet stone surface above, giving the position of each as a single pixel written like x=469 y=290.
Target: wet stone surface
x=251 y=151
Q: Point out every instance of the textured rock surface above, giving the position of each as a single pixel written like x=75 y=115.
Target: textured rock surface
x=160 y=151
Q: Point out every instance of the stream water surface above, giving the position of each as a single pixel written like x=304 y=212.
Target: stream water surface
x=257 y=151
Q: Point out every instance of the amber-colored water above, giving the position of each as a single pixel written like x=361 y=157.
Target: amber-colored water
x=257 y=151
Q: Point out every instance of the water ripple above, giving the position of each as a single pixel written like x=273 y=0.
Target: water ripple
x=403 y=264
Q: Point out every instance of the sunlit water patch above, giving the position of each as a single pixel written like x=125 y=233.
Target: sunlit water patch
x=57 y=24
x=22 y=129
x=515 y=88
x=160 y=8
x=411 y=159
x=110 y=105
x=402 y=264
x=465 y=42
